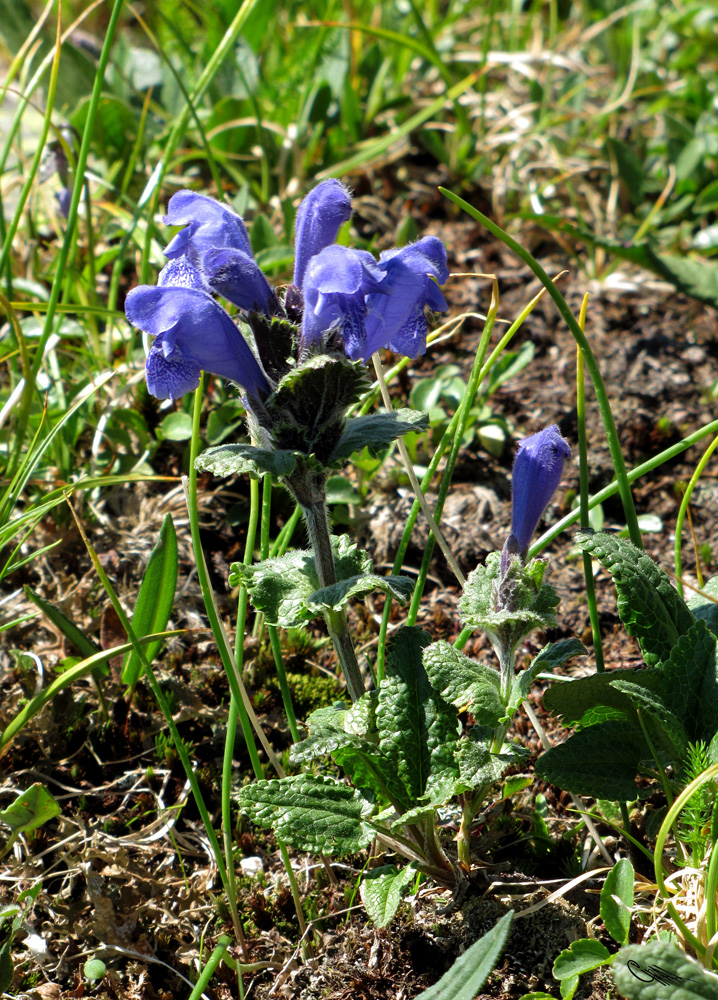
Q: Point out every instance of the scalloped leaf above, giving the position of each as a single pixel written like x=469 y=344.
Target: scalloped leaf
x=377 y=430
x=660 y=970
x=465 y=682
x=581 y=956
x=704 y=608
x=245 y=460
x=669 y=733
x=418 y=730
x=478 y=765
x=284 y=589
x=337 y=596
x=310 y=812
x=383 y=889
x=601 y=762
x=648 y=604
x=554 y=654
x=571 y=700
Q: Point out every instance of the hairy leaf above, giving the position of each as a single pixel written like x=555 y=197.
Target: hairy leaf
x=690 y=673
x=668 y=733
x=311 y=813
x=702 y=607
x=417 y=728
x=660 y=970
x=478 y=766
x=601 y=761
x=464 y=682
x=337 y=596
x=471 y=970
x=383 y=889
x=648 y=603
x=553 y=655
x=377 y=430
x=245 y=460
x=572 y=700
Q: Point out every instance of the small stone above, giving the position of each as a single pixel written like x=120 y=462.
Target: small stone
x=251 y=866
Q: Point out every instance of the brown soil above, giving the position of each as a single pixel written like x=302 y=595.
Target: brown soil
x=124 y=876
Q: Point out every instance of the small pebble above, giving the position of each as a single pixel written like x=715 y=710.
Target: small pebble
x=251 y=866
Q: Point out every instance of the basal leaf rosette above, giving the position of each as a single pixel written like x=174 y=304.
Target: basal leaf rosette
x=508 y=605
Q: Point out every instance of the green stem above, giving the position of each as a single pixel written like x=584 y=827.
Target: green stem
x=609 y=491
x=583 y=497
x=705 y=458
x=604 y=405
x=272 y=629
x=208 y=971
x=315 y=517
x=478 y=372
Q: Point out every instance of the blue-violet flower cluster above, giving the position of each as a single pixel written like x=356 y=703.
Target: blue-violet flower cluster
x=341 y=299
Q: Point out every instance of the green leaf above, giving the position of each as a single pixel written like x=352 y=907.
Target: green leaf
x=337 y=596
x=155 y=599
x=464 y=682
x=617 y=900
x=417 y=728
x=628 y=167
x=311 y=813
x=601 y=762
x=68 y=628
x=553 y=655
x=582 y=956
x=705 y=609
x=377 y=430
x=6 y=967
x=245 y=460
x=29 y=811
x=660 y=970
x=383 y=889
x=668 y=733
x=286 y=589
x=648 y=604
x=177 y=427
x=309 y=404
x=94 y=968
x=568 y=987
x=692 y=275
x=572 y=700
x=471 y=970
x=690 y=675
x=478 y=765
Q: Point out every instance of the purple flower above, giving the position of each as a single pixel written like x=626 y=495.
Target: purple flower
x=336 y=285
x=537 y=472
x=374 y=304
x=193 y=333
x=396 y=318
x=215 y=241
x=319 y=216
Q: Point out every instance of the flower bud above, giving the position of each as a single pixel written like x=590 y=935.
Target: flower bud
x=537 y=472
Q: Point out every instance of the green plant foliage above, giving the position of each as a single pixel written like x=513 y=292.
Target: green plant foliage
x=471 y=970
x=629 y=715
x=246 y=460
x=660 y=970
x=287 y=591
x=29 y=811
x=383 y=889
x=375 y=431
x=617 y=900
x=155 y=599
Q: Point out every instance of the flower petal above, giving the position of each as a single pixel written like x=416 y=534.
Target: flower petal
x=191 y=328
x=211 y=225
x=336 y=283
x=397 y=320
x=236 y=275
x=537 y=472
x=170 y=377
x=180 y=272
x=319 y=217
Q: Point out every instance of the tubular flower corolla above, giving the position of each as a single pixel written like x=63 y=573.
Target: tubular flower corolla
x=537 y=472
x=339 y=291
